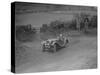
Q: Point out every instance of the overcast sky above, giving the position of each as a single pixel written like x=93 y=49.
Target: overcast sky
x=22 y=7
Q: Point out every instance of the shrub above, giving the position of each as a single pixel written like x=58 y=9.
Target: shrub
x=72 y=25
x=25 y=33
x=44 y=28
x=93 y=22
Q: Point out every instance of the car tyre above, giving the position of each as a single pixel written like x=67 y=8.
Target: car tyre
x=54 y=49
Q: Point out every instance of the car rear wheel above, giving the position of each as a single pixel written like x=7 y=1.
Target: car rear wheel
x=67 y=41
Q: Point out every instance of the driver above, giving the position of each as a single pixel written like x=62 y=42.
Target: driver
x=60 y=37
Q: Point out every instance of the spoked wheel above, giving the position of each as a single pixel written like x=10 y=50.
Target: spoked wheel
x=54 y=48
x=43 y=48
x=66 y=42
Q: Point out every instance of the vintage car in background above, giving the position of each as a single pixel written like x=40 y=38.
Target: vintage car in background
x=53 y=45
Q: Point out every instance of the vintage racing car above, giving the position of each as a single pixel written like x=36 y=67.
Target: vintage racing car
x=53 y=45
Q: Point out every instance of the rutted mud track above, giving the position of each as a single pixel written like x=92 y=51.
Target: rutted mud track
x=80 y=53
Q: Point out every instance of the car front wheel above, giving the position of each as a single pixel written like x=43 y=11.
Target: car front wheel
x=54 y=48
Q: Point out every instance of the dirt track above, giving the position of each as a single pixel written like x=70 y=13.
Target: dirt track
x=81 y=53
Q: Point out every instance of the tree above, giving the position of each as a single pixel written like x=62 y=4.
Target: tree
x=93 y=22
x=44 y=28
x=82 y=20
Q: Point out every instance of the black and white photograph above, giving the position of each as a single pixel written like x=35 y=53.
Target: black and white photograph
x=54 y=37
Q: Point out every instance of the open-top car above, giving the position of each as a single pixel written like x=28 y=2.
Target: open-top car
x=53 y=45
